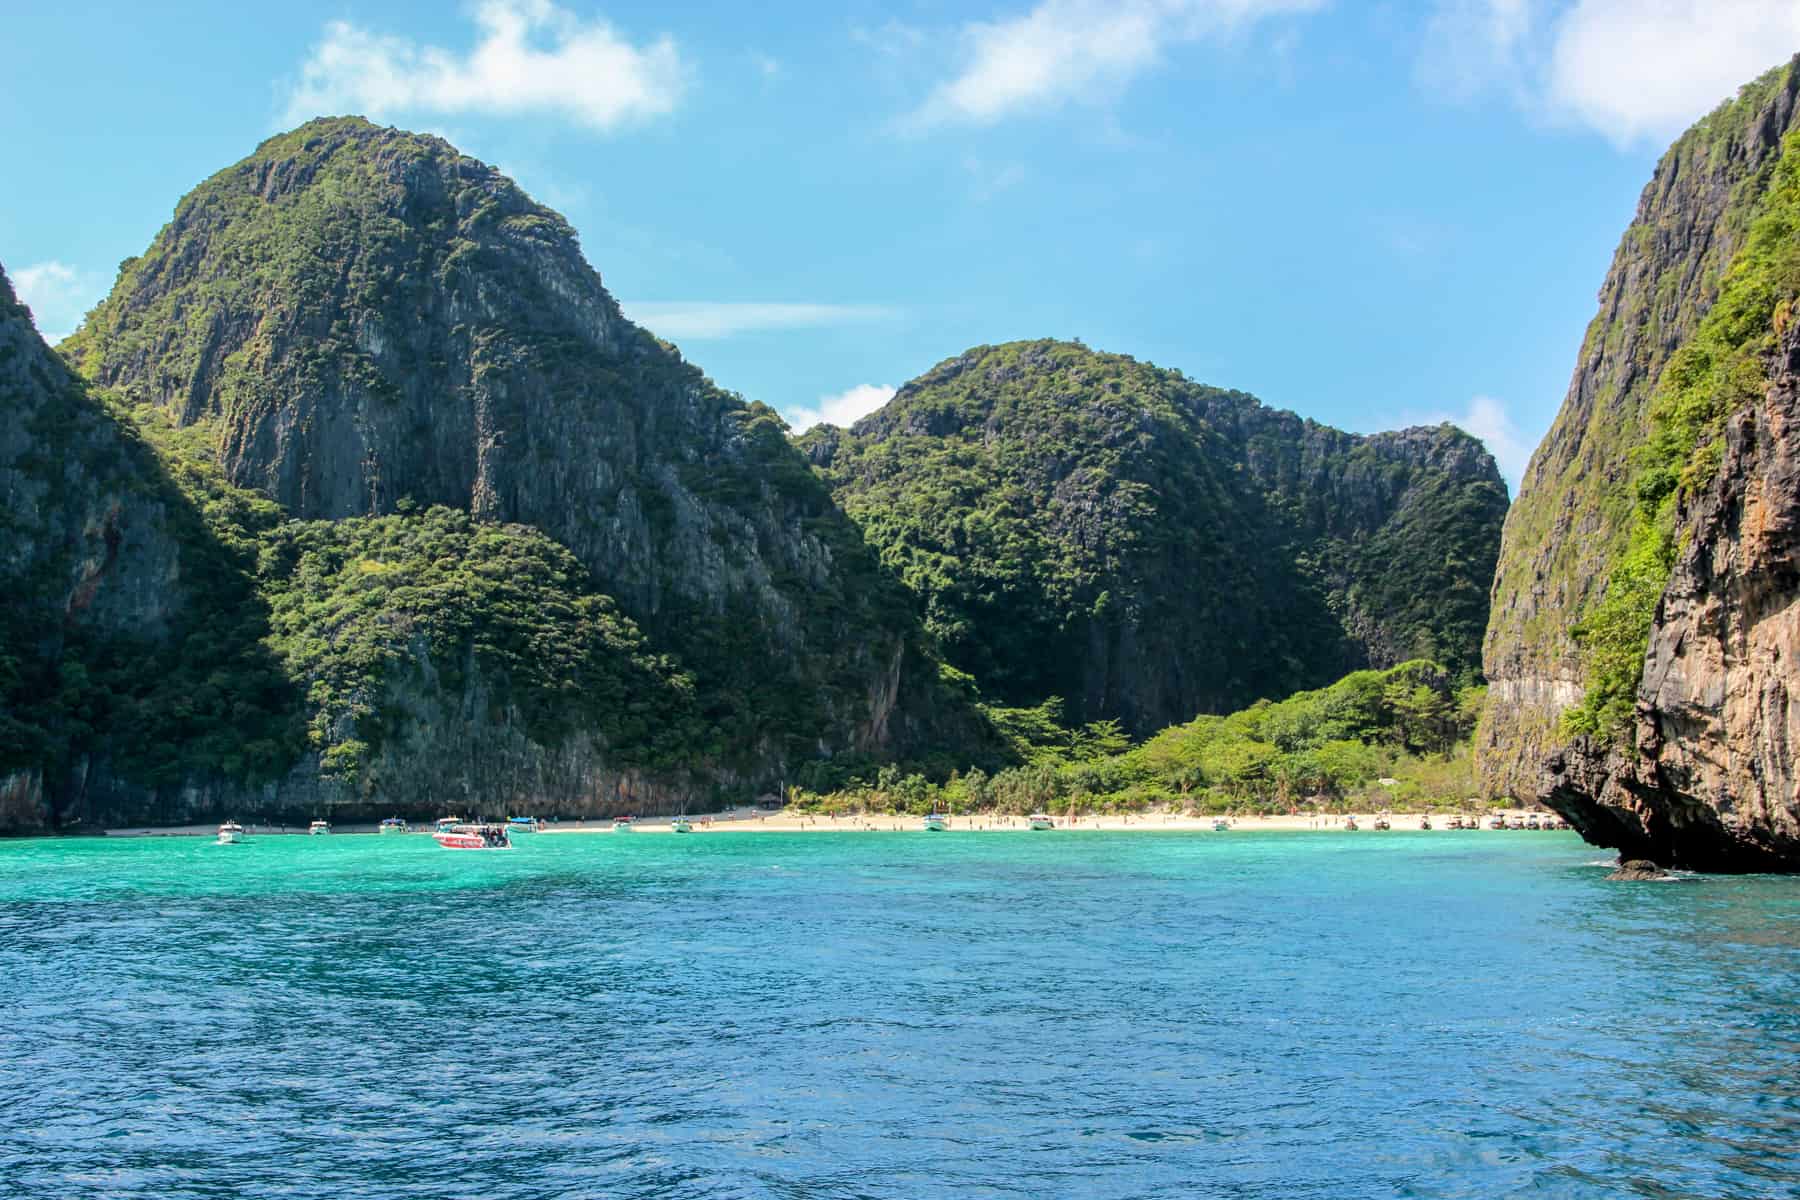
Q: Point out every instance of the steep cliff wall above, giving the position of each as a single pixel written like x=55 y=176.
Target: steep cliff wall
x=1084 y=525
x=1709 y=780
x=1570 y=522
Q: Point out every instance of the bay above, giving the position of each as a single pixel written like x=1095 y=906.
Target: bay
x=891 y=1015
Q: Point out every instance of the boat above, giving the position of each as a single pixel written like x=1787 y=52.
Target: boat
x=1531 y=822
x=681 y=825
x=472 y=837
x=1221 y=825
x=936 y=822
x=1350 y=824
x=1515 y=823
x=524 y=825
x=231 y=833
x=446 y=824
x=318 y=829
x=1424 y=822
x=622 y=825
x=1041 y=821
x=1382 y=823
x=1496 y=822
x=393 y=825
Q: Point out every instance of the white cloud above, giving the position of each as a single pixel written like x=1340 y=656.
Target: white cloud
x=1647 y=69
x=58 y=295
x=531 y=57
x=1633 y=70
x=1066 y=50
x=700 y=320
x=841 y=408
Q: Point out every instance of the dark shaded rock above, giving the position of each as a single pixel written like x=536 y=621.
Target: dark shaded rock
x=1639 y=870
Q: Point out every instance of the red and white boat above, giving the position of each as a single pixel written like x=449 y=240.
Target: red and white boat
x=473 y=837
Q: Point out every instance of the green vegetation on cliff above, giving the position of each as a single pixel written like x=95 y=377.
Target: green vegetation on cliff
x=1718 y=371
x=1084 y=525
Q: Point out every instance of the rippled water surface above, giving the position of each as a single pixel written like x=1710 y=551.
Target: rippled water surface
x=885 y=1015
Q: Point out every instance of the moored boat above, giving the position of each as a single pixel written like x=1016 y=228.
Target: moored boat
x=1496 y=822
x=318 y=829
x=472 y=837
x=524 y=825
x=393 y=825
x=1041 y=821
x=936 y=822
x=231 y=833
x=1424 y=822
x=1350 y=824
x=622 y=824
x=1221 y=825
x=1382 y=823
x=682 y=825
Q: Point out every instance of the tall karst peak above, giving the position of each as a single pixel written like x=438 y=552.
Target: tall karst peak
x=361 y=321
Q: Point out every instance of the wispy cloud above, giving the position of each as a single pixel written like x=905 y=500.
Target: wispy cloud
x=1075 y=50
x=58 y=295
x=700 y=320
x=1636 y=71
x=840 y=408
x=530 y=58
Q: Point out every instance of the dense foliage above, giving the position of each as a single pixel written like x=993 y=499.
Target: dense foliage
x=1721 y=369
x=1370 y=740
x=1080 y=524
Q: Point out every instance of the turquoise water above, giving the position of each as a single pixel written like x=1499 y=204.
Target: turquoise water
x=891 y=1015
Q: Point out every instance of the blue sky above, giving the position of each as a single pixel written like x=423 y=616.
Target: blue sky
x=1371 y=213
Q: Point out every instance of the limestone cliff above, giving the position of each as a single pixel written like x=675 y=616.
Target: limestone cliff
x=1570 y=522
x=1081 y=524
x=1710 y=779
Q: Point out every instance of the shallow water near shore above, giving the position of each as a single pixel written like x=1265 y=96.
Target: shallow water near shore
x=891 y=1015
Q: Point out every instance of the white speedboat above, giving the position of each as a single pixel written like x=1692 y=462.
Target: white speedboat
x=523 y=825
x=622 y=825
x=681 y=825
x=936 y=822
x=393 y=825
x=231 y=833
x=1041 y=821
x=318 y=829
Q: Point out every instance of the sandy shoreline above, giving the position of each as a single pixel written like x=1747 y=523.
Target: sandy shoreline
x=746 y=820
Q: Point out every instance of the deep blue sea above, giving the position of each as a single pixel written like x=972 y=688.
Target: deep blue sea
x=891 y=1015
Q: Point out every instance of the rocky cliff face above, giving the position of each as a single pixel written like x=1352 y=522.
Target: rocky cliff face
x=1711 y=781
x=1084 y=525
x=360 y=320
x=1569 y=523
